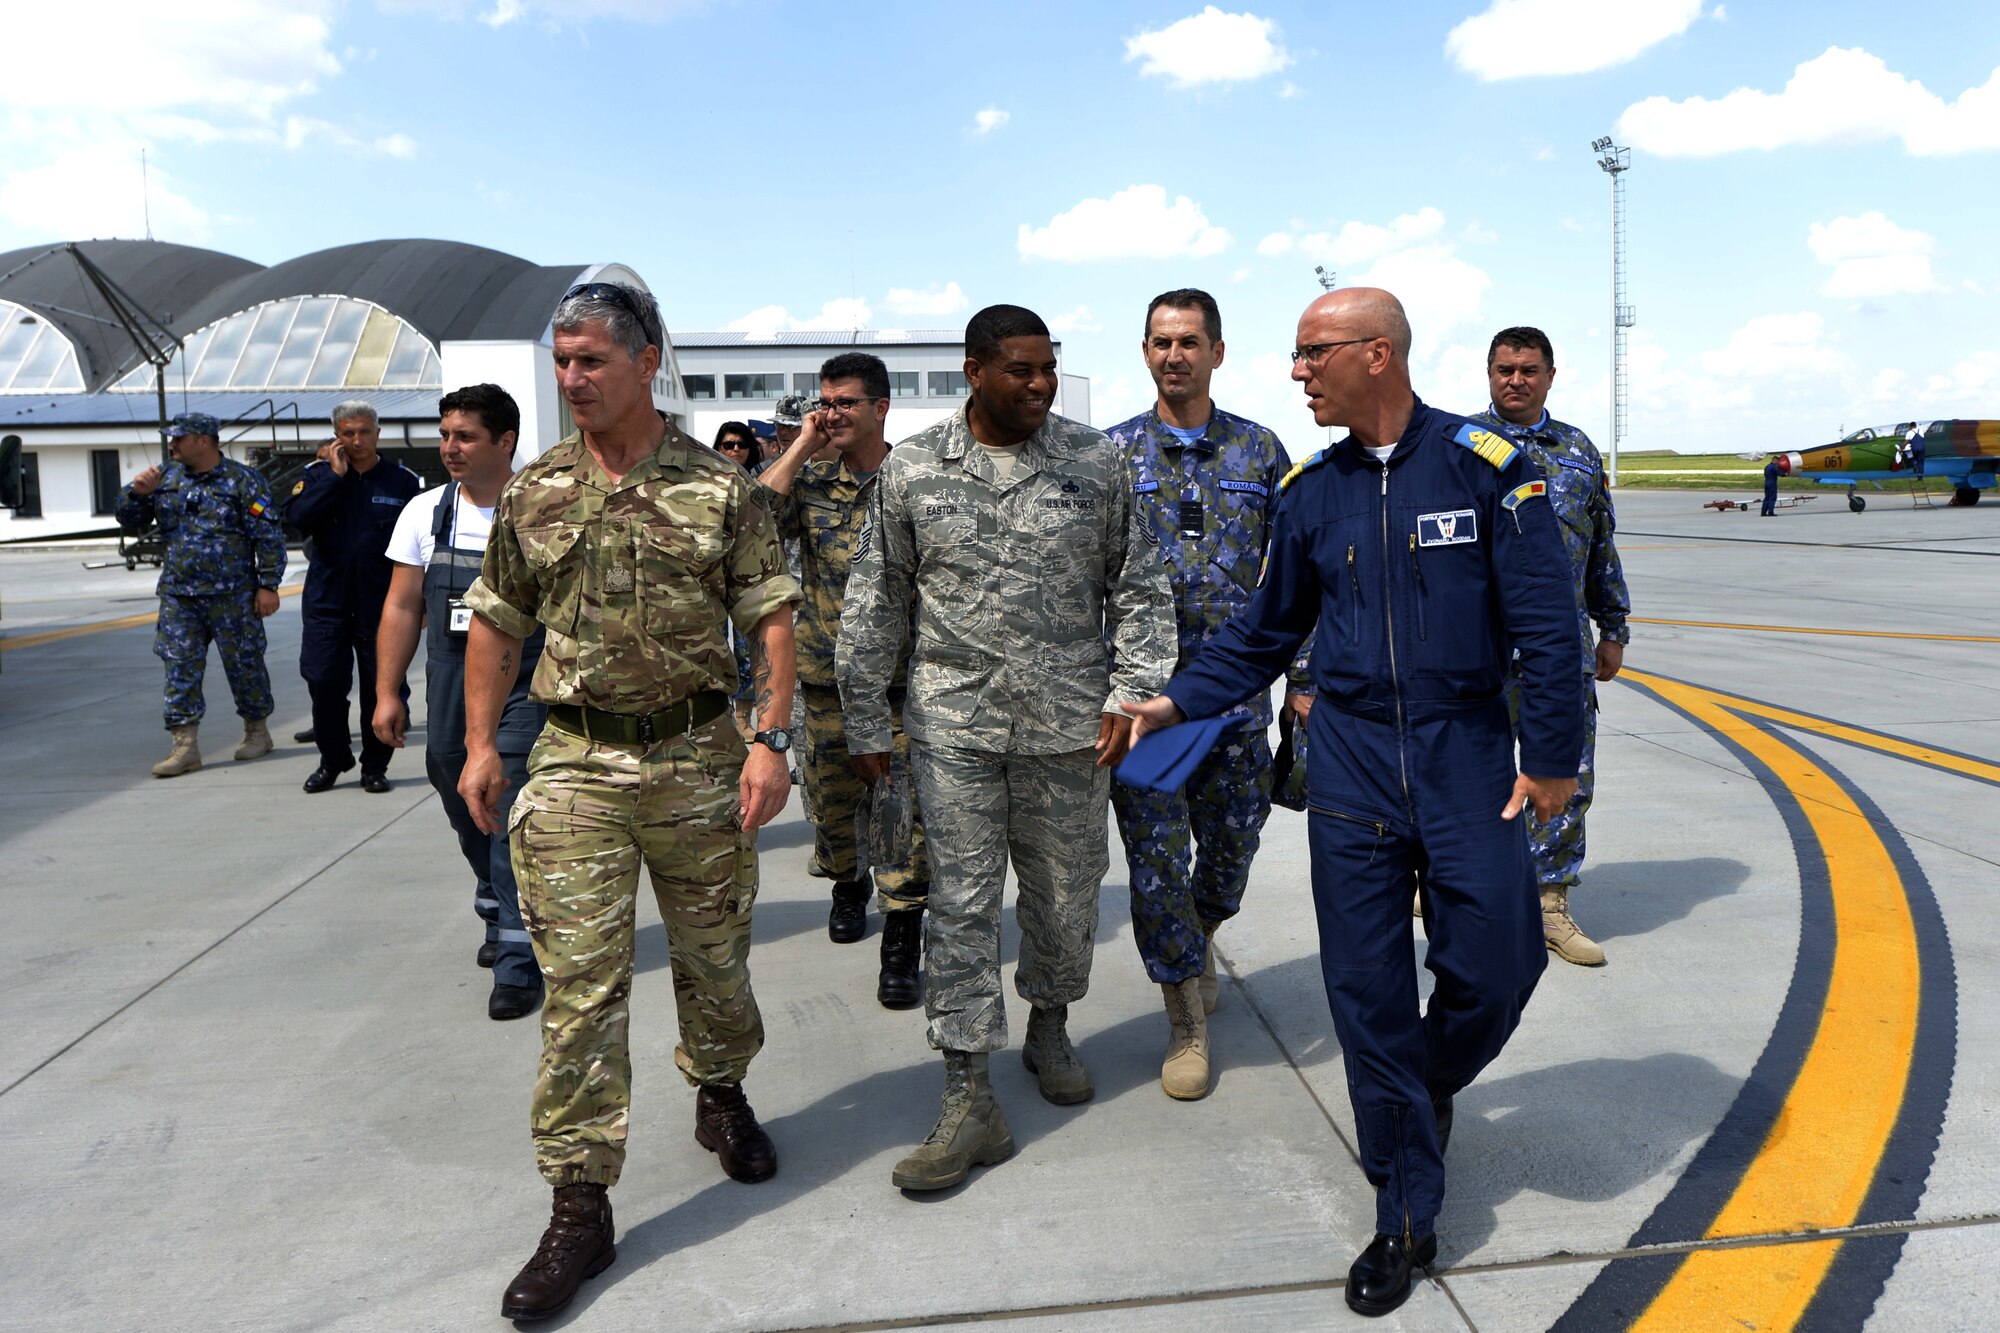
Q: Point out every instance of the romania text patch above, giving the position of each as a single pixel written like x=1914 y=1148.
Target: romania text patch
x=1451 y=528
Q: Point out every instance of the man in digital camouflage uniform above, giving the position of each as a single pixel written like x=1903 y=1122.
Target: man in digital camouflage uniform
x=634 y=548
x=1012 y=535
x=823 y=507
x=1520 y=369
x=1207 y=482
x=225 y=553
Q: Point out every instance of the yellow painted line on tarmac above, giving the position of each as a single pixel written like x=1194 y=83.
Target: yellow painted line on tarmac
x=1806 y=629
x=1816 y=1167
x=13 y=641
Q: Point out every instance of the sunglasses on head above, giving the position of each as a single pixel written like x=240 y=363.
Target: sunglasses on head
x=622 y=296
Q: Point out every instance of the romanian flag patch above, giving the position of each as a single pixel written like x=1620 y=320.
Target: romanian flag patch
x=1527 y=490
x=1494 y=448
x=257 y=509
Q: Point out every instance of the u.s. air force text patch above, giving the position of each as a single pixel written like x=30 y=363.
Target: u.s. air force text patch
x=1451 y=528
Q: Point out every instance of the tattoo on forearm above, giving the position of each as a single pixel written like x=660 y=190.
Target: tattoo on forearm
x=506 y=661
x=760 y=677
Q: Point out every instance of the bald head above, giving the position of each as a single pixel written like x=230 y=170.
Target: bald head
x=1372 y=312
x=1358 y=374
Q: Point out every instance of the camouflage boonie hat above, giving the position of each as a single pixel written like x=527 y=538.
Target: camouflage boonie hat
x=193 y=423
x=791 y=410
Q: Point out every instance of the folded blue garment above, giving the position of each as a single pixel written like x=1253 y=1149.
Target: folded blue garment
x=1165 y=760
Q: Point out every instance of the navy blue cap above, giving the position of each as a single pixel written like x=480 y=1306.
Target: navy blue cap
x=1164 y=760
x=193 y=423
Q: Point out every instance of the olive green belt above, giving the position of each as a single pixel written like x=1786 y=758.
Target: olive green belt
x=641 y=728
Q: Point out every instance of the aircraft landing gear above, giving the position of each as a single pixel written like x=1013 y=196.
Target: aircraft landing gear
x=1855 y=502
x=1965 y=495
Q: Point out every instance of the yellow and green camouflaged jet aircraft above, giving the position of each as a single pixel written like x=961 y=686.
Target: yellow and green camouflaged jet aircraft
x=1965 y=454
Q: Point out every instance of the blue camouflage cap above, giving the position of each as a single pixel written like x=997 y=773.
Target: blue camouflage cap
x=193 y=423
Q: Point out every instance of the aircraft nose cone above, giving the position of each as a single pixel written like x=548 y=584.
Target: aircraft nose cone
x=1786 y=462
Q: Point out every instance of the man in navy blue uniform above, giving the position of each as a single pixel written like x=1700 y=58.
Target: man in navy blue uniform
x=1207 y=482
x=347 y=505
x=1424 y=548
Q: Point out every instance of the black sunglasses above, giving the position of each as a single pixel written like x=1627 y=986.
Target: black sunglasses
x=619 y=295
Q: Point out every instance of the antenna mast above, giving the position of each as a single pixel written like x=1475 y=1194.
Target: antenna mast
x=146 y=194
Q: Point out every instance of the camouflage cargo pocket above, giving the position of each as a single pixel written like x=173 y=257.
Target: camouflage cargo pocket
x=552 y=552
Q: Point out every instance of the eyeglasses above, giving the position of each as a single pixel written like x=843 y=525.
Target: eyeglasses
x=619 y=295
x=1312 y=352
x=845 y=404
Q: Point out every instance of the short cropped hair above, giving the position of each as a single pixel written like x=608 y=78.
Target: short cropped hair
x=985 y=331
x=863 y=366
x=355 y=409
x=494 y=406
x=1522 y=338
x=1189 y=298
x=635 y=333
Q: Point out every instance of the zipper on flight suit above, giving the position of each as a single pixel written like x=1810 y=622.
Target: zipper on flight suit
x=1354 y=621
x=1381 y=829
x=1389 y=618
x=1423 y=593
x=1402 y=1188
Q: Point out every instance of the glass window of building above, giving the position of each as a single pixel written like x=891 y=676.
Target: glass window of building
x=105 y=483
x=31 y=486
x=806 y=382
x=949 y=384
x=699 y=386
x=905 y=384
x=35 y=357
x=753 y=386
x=302 y=342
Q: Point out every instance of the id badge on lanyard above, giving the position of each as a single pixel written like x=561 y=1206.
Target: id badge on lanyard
x=1191 y=516
x=458 y=620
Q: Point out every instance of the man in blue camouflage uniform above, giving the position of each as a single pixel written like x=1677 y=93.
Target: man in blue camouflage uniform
x=1520 y=369
x=1207 y=482
x=224 y=556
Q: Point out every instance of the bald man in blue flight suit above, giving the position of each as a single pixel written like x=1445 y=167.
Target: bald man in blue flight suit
x=1424 y=548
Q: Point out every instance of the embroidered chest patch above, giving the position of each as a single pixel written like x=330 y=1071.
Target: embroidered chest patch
x=1451 y=528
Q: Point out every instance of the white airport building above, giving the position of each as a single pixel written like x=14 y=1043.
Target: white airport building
x=270 y=351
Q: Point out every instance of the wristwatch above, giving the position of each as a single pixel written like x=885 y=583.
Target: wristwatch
x=777 y=738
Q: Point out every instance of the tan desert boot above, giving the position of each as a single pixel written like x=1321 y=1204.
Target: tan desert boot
x=971 y=1131
x=1211 y=984
x=186 y=756
x=1185 y=1074
x=1559 y=931
x=256 y=739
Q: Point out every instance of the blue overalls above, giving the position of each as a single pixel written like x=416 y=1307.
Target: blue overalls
x=1422 y=573
x=450 y=572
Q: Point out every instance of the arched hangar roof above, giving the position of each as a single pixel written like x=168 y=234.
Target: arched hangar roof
x=166 y=279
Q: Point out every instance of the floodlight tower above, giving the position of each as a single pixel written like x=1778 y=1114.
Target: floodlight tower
x=1616 y=162
x=1326 y=280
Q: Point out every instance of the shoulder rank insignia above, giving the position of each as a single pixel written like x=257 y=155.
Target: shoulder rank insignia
x=1299 y=469
x=299 y=488
x=1527 y=490
x=1493 y=447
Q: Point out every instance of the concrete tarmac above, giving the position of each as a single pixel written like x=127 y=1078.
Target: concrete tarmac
x=247 y=1080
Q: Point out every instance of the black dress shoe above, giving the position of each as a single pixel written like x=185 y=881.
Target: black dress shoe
x=899 y=986
x=726 y=1126
x=324 y=777
x=1441 y=1109
x=847 y=921
x=513 y=1002
x=488 y=952
x=375 y=783
x=576 y=1246
x=1379 y=1280
x=304 y=737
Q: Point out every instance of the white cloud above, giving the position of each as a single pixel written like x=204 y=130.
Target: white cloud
x=1289 y=90
x=1871 y=256
x=1519 y=38
x=550 y=13
x=96 y=191
x=948 y=300
x=1241 y=274
x=1775 y=347
x=989 y=119
x=1210 y=47
x=1135 y=223
x=1441 y=293
x=1845 y=96
x=1355 y=242
x=301 y=130
x=1078 y=320
x=846 y=312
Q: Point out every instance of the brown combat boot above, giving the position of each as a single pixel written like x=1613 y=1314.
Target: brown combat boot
x=186 y=756
x=256 y=739
x=1560 y=933
x=726 y=1126
x=1184 y=1076
x=576 y=1246
x=1047 y=1053
x=970 y=1132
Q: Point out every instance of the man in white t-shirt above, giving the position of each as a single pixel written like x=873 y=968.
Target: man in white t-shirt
x=437 y=549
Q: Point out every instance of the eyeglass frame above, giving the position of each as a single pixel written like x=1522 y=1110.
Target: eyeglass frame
x=1312 y=352
x=846 y=405
x=619 y=295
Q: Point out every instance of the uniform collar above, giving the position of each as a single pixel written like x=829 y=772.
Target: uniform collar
x=1156 y=426
x=672 y=453
x=1515 y=429
x=1047 y=443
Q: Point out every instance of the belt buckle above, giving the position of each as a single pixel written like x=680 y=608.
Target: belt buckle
x=646 y=735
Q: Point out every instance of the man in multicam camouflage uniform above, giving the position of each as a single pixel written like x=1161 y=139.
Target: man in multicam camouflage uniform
x=1520 y=369
x=822 y=507
x=1013 y=536
x=219 y=580
x=1207 y=481
x=634 y=547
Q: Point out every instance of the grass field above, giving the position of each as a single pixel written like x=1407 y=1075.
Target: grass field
x=1657 y=470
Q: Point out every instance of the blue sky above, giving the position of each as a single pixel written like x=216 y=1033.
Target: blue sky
x=1811 y=198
